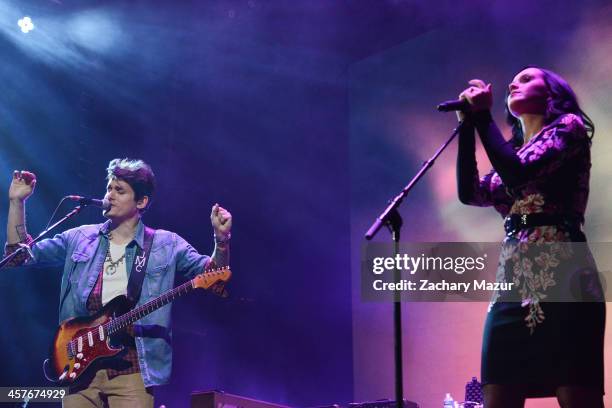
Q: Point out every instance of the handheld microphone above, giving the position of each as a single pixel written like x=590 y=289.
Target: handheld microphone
x=454 y=105
x=104 y=204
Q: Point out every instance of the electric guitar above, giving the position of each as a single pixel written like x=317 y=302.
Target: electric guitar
x=82 y=342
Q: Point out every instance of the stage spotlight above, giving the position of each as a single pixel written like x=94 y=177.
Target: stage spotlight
x=25 y=24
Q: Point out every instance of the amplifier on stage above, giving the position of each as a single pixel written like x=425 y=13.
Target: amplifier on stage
x=383 y=403
x=220 y=399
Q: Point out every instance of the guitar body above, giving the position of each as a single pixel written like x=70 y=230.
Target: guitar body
x=71 y=357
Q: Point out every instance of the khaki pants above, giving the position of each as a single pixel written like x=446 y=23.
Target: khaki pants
x=124 y=391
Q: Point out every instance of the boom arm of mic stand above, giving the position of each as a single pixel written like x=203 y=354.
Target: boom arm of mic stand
x=24 y=247
x=386 y=215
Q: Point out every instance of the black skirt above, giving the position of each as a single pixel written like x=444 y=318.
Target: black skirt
x=565 y=349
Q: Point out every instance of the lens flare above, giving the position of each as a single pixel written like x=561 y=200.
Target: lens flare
x=25 y=24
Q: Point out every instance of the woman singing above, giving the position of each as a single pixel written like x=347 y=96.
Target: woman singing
x=545 y=339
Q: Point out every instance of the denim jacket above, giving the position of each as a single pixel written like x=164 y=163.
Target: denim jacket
x=82 y=250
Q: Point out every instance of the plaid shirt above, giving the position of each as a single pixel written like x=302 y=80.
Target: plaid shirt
x=22 y=256
x=130 y=359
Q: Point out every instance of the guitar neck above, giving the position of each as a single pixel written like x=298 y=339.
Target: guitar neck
x=141 y=311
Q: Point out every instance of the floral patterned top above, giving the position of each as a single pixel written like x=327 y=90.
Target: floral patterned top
x=555 y=164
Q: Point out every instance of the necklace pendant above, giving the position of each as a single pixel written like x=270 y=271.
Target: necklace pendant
x=110 y=270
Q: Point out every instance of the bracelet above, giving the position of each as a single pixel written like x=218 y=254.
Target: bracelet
x=224 y=240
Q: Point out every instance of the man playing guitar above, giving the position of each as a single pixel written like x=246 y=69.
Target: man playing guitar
x=98 y=263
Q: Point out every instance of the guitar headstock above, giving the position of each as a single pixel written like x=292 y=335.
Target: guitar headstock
x=211 y=277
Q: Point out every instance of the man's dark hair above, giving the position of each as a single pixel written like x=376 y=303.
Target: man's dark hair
x=137 y=174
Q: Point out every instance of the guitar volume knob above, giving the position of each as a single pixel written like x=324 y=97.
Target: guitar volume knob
x=77 y=366
x=79 y=356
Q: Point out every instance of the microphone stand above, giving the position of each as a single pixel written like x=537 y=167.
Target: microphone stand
x=391 y=218
x=28 y=247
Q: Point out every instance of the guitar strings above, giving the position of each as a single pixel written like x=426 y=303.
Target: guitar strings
x=125 y=319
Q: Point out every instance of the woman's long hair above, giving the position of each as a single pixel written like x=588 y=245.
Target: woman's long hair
x=562 y=100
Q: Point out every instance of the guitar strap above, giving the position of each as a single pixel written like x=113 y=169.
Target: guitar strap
x=139 y=267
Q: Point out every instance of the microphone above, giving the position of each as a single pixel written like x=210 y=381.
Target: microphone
x=454 y=105
x=104 y=204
